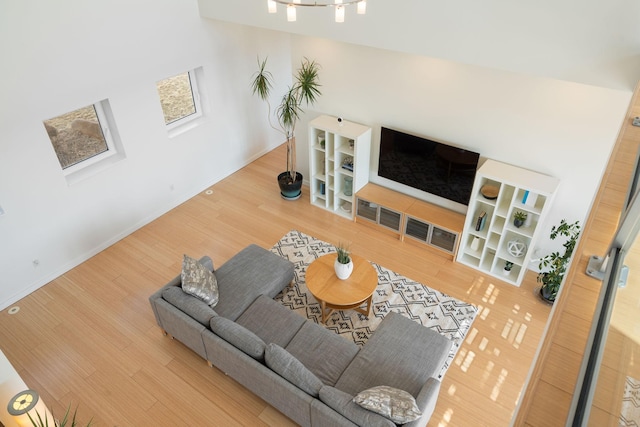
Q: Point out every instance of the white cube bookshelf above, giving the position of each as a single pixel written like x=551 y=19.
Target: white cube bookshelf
x=331 y=143
x=487 y=247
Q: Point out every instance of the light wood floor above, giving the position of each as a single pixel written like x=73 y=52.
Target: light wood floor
x=89 y=337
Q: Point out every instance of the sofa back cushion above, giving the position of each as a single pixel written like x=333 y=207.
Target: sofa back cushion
x=401 y=353
x=190 y=305
x=323 y=352
x=290 y=368
x=238 y=336
x=271 y=321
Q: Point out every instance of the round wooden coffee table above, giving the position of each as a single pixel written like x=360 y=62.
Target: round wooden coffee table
x=335 y=294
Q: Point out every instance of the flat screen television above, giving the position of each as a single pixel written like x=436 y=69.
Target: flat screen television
x=430 y=166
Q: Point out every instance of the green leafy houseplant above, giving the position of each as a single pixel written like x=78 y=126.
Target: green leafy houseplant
x=519 y=217
x=508 y=265
x=304 y=91
x=343 y=253
x=69 y=420
x=554 y=266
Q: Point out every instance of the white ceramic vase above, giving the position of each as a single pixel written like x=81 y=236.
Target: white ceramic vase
x=343 y=271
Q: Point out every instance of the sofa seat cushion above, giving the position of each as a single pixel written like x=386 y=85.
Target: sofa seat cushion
x=401 y=354
x=238 y=336
x=322 y=351
x=190 y=305
x=271 y=321
x=251 y=272
x=343 y=404
x=397 y=405
x=290 y=368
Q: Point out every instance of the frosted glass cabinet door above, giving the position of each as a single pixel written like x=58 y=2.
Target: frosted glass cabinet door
x=443 y=239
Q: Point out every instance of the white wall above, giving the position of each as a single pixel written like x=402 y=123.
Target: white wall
x=587 y=41
x=559 y=128
x=60 y=56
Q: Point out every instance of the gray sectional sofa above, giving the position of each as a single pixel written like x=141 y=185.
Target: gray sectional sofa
x=305 y=371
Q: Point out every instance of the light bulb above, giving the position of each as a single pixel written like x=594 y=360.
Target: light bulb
x=272 y=6
x=291 y=13
x=339 y=13
x=362 y=7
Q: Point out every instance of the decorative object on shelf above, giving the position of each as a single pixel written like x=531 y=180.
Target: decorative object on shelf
x=475 y=243
x=529 y=198
x=480 y=222
x=305 y=90
x=508 y=265
x=352 y=143
x=361 y=8
x=343 y=264
x=321 y=141
x=519 y=218
x=489 y=192
x=555 y=264
x=346 y=206
x=347 y=163
x=516 y=248
x=322 y=188
x=348 y=186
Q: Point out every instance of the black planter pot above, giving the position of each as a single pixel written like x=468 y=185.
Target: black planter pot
x=518 y=222
x=546 y=295
x=290 y=190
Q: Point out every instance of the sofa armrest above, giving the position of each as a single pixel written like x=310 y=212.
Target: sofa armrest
x=426 y=400
x=176 y=281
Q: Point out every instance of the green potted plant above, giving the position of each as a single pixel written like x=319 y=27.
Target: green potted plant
x=508 y=265
x=519 y=217
x=554 y=266
x=343 y=264
x=304 y=91
x=41 y=420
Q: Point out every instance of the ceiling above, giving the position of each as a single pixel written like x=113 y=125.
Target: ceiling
x=591 y=42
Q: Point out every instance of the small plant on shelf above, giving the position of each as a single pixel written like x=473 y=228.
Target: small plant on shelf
x=519 y=217
x=508 y=265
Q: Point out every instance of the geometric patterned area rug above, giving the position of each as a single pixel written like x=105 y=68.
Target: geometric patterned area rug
x=433 y=309
x=630 y=411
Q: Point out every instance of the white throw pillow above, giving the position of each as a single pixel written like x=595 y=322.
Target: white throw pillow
x=392 y=403
x=198 y=281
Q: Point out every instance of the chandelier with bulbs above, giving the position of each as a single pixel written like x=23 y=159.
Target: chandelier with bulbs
x=338 y=4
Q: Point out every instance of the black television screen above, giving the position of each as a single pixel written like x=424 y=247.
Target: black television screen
x=427 y=165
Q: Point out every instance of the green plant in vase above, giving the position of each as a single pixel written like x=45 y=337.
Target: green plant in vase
x=343 y=264
x=519 y=217
x=508 y=265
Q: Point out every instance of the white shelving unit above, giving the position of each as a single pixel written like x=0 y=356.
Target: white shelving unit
x=487 y=247
x=331 y=144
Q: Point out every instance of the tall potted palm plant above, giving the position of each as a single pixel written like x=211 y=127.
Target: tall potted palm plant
x=304 y=91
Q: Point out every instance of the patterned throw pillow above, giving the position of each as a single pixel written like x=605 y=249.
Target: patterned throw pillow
x=397 y=405
x=198 y=281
